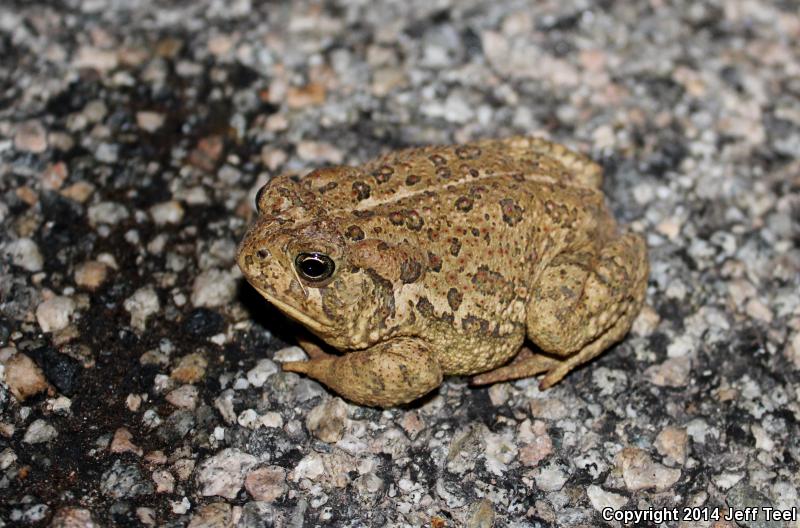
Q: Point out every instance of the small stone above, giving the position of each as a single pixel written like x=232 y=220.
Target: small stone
x=481 y=515
x=31 y=136
x=122 y=442
x=107 y=152
x=266 y=483
x=24 y=253
x=184 y=397
x=639 y=472
x=213 y=288
x=273 y=158
x=258 y=375
x=308 y=95
x=170 y=212
x=271 y=419
x=758 y=310
x=672 y=442
x=79 y=191
x=498 y=394
x=220 y=45
x=54 y=176
x=70 y=517
x=95 y=58
x=54 y=314
x=164 y=480
x=39 y=432
x=412 y=424
x=24 y=377
x=674 y=372
x=190 y=369
x=292 y=353
x=146 y=516
x=647 y=321
x=602 y=499
x=310 y=467
x=124 y=481
x=548 y=408
x=141 y=305
x=318 y=152
x=327 y=421
x=110 y=213
x=535 y=444
x=133 y=402
x=91 y=274
x=550 y=477
x=216 y=515
x=223 y=474
x=149 y=121
x=680 y=346
x=500 y=452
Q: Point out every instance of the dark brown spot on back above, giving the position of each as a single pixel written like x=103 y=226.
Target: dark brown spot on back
x=361 y=190
x=413 y=220
x=464 y=204
x=434 y=262
x=424 y=307
x=438 y=160
x=468 y=152
x=455 y=246
x=383 y=174
x=396 y=217
x=454 y=298
x=328 y=187
x=410 y=271
x=354 y=233
x=512 y=213
x=474 y=324
x=412 y=179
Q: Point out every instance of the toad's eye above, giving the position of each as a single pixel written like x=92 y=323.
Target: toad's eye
x=314 y=267
x=259 y=194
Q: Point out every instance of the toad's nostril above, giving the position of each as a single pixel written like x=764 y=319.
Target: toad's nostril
x=262 y=253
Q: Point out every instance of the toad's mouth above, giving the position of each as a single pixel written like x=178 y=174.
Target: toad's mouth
x=294 y=313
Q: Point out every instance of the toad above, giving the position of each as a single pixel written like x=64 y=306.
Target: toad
x=442 y=260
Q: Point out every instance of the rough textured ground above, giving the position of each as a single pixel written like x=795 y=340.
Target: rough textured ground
x=141 y=380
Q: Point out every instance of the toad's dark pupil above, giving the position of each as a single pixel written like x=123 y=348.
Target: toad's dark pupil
x=314 y=266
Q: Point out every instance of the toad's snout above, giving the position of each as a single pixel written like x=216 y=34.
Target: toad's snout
x=252 y=259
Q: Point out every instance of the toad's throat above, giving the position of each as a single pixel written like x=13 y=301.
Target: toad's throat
x=316 y=326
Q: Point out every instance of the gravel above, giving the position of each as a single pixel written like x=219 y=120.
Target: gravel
x=140 y=379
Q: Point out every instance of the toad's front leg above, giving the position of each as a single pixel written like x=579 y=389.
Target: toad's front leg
x=391 y=373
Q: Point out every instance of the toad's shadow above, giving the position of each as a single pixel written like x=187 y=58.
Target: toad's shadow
x=264 y=314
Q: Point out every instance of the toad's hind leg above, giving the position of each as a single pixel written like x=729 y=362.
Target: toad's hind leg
x=587 y=300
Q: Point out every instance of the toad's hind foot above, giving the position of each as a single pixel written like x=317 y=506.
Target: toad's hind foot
x=525 y=364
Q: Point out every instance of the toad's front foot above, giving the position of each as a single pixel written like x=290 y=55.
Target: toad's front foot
x=391 y=373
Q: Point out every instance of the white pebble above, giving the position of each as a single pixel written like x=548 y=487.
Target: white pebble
x=149 y=121
x=259 y=374
x=24 y=253
x=38 y=432
x=213 y=288
x=107 y=213
x=142 y=304
x=53 y=314
x=170 y=212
